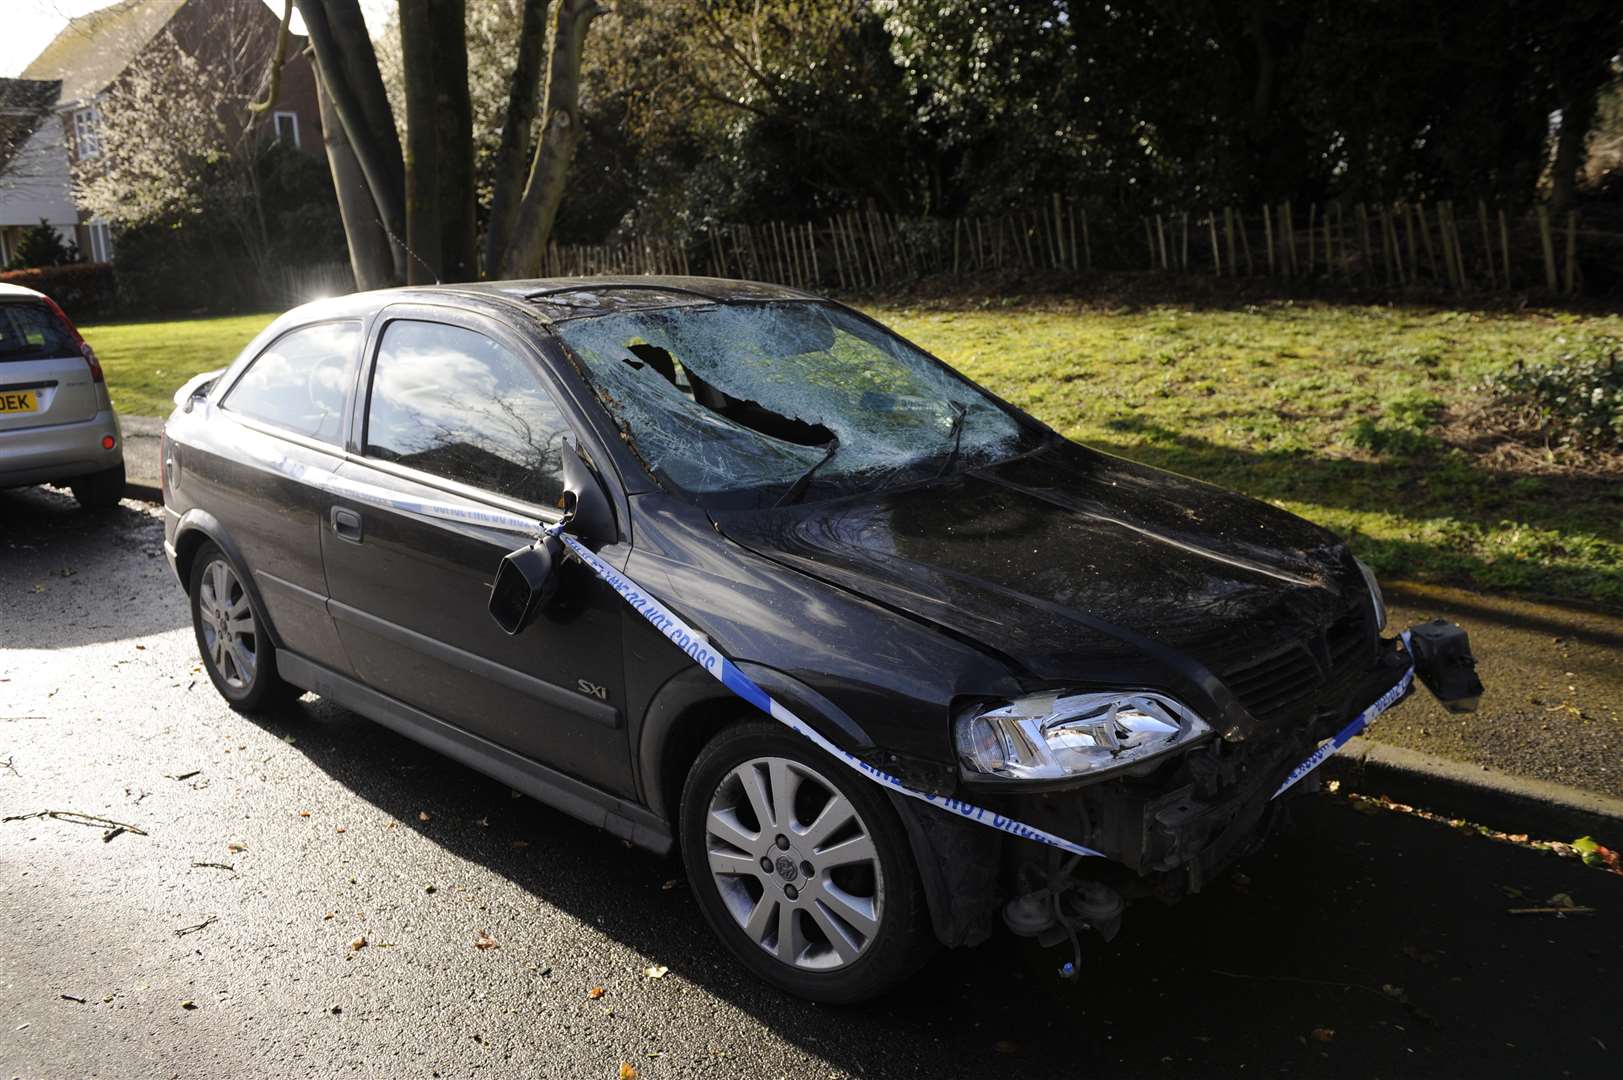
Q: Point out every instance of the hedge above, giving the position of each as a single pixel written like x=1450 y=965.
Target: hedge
x=84 y=290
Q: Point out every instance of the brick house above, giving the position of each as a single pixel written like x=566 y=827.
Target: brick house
x=49 y=117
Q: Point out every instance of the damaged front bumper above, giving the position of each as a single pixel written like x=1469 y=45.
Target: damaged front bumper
x=1172 y=831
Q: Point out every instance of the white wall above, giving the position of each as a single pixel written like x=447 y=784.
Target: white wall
x=36 y=183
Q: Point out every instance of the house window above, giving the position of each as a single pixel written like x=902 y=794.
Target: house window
x=87 y=133
x=101 y=242
x=287 y=128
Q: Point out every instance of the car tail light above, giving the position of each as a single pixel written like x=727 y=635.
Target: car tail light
x=85 y=350
x=108 y=442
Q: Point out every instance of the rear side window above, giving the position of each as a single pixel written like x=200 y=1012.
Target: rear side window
x=454 y=403
x=298 y=382
x=30 y=331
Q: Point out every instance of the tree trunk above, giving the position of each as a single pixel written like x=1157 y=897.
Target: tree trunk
x=1577 y=114
x=347 y=63
x=370 y=255
x=560 y=133
x=439 y=142
x=513 y=157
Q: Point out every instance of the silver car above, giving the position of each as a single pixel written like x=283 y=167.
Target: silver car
x=57 y=424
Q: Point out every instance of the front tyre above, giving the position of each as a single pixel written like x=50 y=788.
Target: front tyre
x=801 y=866
x=231 y=637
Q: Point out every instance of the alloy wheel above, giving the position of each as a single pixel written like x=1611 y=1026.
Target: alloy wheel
x=229 y=638
x=794 y=863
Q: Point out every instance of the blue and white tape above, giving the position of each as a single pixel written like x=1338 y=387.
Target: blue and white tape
x=724 y=671
x=1357 y=724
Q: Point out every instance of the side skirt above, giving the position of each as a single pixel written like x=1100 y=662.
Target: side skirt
x=625 y=820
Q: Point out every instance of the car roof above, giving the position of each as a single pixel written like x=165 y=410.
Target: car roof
x=19 y=292
x=559 y=299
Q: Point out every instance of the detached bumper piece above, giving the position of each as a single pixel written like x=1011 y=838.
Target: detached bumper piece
x=1444 y=665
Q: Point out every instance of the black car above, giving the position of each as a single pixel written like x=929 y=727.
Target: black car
x=532 y=524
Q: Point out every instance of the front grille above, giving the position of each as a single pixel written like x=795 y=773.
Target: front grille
x=1287 y=681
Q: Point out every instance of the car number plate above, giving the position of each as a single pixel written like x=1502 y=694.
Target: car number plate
x=18 y=401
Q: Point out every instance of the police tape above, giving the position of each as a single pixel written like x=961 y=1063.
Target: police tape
x=698 y=649
x=724 y=671
x=1357 y=724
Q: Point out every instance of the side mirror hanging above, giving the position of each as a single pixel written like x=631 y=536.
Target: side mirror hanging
x=527 y=579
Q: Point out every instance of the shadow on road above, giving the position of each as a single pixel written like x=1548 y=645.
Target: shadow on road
x=68 y=577
x=1358 y=945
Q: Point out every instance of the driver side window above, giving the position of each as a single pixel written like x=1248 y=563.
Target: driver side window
x=298 y=383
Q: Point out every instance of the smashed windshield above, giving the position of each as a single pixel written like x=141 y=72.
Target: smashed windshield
x=733 y=404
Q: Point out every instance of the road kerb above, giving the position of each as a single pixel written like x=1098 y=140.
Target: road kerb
x=1513 y=804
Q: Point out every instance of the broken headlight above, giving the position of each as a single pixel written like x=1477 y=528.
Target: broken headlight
x=1375 y=595
x=1056 y=736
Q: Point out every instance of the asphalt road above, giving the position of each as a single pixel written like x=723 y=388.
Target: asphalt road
x=1359 y=945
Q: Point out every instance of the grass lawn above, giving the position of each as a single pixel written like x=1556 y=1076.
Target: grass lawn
x=146 y=362
x=1265 y=398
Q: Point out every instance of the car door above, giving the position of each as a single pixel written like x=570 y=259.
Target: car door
x=283 y=412
x=457 y=408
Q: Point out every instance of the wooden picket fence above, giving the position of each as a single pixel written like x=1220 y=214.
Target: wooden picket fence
x=1405 y=244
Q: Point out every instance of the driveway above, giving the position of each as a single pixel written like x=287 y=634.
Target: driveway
x=307 y=895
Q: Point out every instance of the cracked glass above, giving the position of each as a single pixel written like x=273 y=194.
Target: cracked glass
x=733 y=403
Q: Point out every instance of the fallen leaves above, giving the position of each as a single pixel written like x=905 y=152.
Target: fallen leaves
x=358 y=944
x=1587 y=848
x=236 y=846
x=482 y=940
x=188 y=1004
x=628 y=1071
x=1323 y=1034
x=656 y=971
x=596 y=992
x=1594 y=853
x=423 y=815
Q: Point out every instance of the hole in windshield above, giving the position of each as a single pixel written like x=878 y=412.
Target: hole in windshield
x=733 y=404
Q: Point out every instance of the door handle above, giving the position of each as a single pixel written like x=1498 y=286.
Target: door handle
x=346 y=524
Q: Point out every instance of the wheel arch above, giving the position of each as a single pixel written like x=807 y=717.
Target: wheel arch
x=958 y=863
x=198 y=527
x=691 y=708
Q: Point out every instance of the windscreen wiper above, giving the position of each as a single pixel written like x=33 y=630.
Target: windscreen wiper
x=957 y=437
x=798 y=488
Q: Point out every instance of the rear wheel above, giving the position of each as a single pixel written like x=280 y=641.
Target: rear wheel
x=98 y=491
x=801 y=866
x=236 y=651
